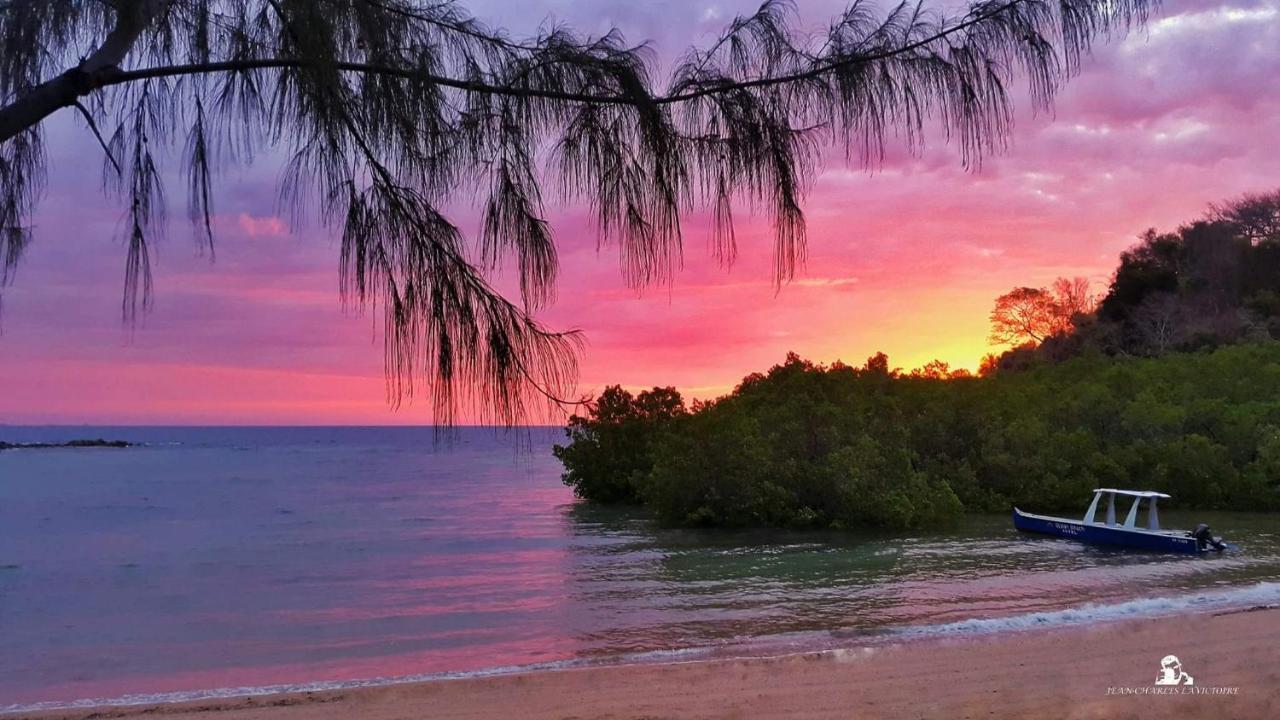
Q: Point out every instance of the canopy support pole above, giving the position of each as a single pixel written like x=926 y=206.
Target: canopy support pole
x=1093 y=509
x=1131 y=520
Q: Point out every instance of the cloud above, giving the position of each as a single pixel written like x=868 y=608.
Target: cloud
x=261 y=226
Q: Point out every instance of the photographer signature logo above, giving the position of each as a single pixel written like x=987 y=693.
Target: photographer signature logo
x=1171 y=672
x=1173 y=680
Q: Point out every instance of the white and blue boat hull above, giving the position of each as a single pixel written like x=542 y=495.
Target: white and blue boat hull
x=1103 y=534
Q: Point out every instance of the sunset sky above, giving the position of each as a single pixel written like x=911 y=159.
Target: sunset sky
x=904 y=260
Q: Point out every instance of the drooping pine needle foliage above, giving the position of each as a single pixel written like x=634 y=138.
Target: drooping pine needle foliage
x=391 y=112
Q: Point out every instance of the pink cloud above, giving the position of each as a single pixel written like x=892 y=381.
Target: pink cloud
x=261 y=226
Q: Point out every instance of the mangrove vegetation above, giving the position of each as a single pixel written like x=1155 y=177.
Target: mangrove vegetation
x=1169 y=380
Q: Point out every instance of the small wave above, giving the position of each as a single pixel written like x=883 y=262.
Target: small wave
x=1266 y=593
x=1262 y=594
x=640 y=658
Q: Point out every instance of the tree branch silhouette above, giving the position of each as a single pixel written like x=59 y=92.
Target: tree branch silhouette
x=392 y=111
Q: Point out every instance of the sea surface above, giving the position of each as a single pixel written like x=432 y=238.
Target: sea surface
x=211 y=560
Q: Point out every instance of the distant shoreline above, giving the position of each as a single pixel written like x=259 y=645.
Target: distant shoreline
x=1103 y=670
x=95 y=443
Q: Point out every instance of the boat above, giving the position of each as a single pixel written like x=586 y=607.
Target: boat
x=1109 y=532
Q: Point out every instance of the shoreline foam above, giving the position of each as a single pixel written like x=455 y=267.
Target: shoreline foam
x=1260 y=596
x=1075 y=672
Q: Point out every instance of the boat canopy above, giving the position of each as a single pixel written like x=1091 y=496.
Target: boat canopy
x=1134 y=493
x=1130 y=520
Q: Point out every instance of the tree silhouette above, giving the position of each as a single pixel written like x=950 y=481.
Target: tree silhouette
x=1024 y=315
x=1211 y=282
x=1151 y=266
x=1033 y=315
x=1074 y=297
x=1255 y=216
x=388 y=110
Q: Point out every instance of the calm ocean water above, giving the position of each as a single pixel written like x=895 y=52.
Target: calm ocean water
x=222 y=558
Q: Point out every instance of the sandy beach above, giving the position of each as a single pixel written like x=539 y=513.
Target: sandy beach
x=1106 y=671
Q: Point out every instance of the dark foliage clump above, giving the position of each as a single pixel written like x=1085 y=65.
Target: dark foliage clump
x=1212 y=282
x=808 y=445
x=610 y=453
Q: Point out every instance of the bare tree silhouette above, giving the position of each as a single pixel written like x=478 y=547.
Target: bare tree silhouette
x=389 y=109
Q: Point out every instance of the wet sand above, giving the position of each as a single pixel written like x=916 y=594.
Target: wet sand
x=1051 y=673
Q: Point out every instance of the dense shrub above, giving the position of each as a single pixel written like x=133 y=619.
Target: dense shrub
x=609 y=454
x=836 y=446
x=1211 y=282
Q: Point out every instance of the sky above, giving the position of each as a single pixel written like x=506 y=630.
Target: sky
x=906 y=259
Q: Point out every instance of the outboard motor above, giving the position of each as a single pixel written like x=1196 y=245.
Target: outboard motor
x=1205 y=539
